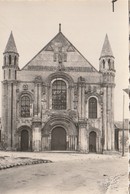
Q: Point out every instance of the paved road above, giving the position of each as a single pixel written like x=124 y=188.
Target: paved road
x=71 y=174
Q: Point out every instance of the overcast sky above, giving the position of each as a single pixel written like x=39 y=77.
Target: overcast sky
x=85 y=23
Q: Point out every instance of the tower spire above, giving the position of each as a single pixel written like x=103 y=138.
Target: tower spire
x=106 y=49
x=59 y=27
x=11 y=46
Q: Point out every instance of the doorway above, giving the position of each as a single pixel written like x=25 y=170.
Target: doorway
x=24 y=140
x=92 y=141
x=58 y=139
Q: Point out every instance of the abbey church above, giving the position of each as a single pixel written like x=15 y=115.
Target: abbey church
x=58 y=100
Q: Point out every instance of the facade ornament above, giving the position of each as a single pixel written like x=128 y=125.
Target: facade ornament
x=25 y=87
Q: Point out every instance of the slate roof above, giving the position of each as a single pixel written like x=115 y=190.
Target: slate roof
x=11 y=46
x=106 y=49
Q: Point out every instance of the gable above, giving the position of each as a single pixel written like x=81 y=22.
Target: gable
x=59 y=51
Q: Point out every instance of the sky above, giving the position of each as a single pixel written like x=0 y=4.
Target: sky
x=84 y=22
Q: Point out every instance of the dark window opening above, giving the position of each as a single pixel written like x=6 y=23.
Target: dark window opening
x=59 y=95
x=4 y=74
x=103 y=63
x=109 y=63
x=25 y=106
x=92 y=108
x=15 y=60
x=15 y=74
x=9 y=73
x=5 y=60
x=10 y=59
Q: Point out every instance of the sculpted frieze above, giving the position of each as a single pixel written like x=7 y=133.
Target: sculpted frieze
x=94 y=123
x=67 y=69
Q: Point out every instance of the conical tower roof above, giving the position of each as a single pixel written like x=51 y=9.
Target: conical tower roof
x=106 y=49
x=11 y=46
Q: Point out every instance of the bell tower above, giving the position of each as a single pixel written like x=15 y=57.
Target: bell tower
x=107 y=69
x=10 y=61
x=106 y=60
x=9 y=86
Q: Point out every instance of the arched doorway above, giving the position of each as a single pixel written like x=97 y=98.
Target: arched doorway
x=24 y=140
x=58 y=139
x=92 y=141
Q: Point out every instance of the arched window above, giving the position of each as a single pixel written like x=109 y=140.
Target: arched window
x=109 y=63
x=15 y=60
x=4 y=60
x=92 y=108
x=15 y=74
x=9 y=59
x=59 y=95
x=9 y=73
x=25 y=106
x=4 y=74
x=103 y=62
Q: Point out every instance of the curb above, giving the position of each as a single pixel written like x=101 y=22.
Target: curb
x=33 y=162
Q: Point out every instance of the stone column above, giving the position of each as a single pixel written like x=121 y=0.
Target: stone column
x=36 y=137
x=104 y=118
x=9 y=133
x=49 y=97
x=83 y=146
x=14 y=124
x=35 y=100
x=109 y=137
x=70 y=97
x=81 y=97
x=112 y=117
x=5 y=112
x=39 y=99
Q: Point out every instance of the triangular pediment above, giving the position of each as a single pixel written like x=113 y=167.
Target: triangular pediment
x=59 y=52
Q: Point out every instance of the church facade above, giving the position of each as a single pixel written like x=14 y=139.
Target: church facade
x=58 y=100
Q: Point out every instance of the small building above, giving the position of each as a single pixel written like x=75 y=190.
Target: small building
x=118 y=135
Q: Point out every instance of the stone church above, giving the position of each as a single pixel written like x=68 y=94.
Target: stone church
x=58 y=100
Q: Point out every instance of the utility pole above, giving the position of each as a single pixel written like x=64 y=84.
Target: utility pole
x=123 y=125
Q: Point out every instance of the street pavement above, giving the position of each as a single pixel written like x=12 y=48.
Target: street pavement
x=69 y=173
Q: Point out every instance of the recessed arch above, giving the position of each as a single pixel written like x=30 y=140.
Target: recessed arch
x=92 y=108
x=25 y=93
x=5 y=60
x=59 y=95
x=15 y=61
x=62 y=75
x=24 y=138
x=10 y=59
x=92 y=141
x=58 y=138
x=103 y=62
x=60 y=121
x=25 y=106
